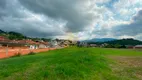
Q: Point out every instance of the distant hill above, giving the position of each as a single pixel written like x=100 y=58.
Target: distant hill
x=12 y=35
x=18 y=36
x=100 y=40
x=1 y=31
x=128 y=41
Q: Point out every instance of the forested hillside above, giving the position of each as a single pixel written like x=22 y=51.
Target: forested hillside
x=18 y=36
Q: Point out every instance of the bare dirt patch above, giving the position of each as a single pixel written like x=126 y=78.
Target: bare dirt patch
x=130 y=66
x=135 y=61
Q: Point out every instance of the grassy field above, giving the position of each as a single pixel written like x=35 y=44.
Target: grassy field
x=75 y=64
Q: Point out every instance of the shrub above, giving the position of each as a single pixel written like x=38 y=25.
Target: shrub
x=17 y=55
x=32 y=53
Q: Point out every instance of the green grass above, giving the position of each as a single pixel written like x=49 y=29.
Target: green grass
x=65 y=64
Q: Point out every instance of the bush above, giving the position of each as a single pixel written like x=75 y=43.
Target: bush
x=32 y=53
x=17 y=55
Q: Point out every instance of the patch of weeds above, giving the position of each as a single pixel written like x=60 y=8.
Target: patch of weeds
x=31 y=53
x=45 y=74
x=17 y=55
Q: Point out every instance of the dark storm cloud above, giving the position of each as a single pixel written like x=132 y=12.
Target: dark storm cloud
x=2 y=3
x=138 y=17
x=72 y=11
x=8 y=8
x=2 y=7
x=132 y=29
x=51 y=18
x=14 y=17
x=28 y=28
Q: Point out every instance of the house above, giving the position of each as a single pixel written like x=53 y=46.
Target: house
x=43 y=45
x=22 y=43
x=32 y=44
x=104 y=45
x=73 y=43
x=64 y=43
x=138 y=47
x=2 y=38
x=129 y=46
x=82 y=44
x=53 y=43
x=93 y=45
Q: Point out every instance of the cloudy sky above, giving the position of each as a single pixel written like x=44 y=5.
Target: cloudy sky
x=73 y=19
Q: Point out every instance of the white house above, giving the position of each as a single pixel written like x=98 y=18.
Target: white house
x=43 y=45
x=33 y=47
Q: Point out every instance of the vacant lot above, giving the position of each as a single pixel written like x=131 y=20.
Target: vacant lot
x=75 y=64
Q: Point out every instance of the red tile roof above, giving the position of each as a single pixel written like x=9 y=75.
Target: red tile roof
x=45 y=43
x=2 y=38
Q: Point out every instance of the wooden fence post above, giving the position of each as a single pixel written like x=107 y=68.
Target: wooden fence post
x=7 y=50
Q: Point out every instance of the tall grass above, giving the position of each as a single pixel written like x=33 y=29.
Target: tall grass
x=64 y=64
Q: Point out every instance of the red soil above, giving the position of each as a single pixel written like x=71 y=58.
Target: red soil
x=23 y=51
